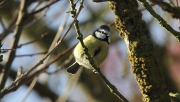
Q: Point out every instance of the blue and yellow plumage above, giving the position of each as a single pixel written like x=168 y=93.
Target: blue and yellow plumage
x=98 y=47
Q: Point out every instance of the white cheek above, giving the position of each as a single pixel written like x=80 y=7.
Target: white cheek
x=100 y=35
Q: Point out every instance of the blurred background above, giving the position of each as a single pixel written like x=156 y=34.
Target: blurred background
x=55 y=84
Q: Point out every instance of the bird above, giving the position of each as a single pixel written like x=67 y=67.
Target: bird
x=98 y=47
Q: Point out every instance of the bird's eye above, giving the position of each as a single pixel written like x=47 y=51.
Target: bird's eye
x=102 y=32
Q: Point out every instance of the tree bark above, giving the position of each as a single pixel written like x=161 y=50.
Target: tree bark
x=133 y=30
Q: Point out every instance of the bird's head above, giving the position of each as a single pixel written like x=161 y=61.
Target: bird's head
x=102 y=33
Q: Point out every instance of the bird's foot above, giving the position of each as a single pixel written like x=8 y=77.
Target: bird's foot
x=97 y=70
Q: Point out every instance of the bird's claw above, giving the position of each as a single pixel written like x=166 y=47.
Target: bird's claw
x=97 y=70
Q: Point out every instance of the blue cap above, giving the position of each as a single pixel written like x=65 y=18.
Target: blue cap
x=104 y=27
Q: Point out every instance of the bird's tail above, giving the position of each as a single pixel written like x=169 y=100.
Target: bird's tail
x=73 y=68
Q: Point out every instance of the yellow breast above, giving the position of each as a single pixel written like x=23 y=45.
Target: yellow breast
x=93 y=45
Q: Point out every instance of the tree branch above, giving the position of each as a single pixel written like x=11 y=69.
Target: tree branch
x=41 y=89
x=160 y=20
x=133 y=30
x=30 y=55
x=37 y=11
x=91 y=61
x=40 y=38
x=174 y=11
x=26 y=77
x=17 y=33
x=2 y=3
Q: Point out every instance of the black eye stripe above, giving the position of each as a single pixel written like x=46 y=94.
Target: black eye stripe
x=101 y=35
x=102 y=32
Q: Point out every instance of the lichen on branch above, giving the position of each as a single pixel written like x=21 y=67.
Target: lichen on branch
x=140 y=49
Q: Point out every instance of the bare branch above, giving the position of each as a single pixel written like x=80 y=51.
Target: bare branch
x=40 y=38
x=160 y=20
x=45 y=62
x=10 y=28
x=174 y=11
x=91 y=61
x=13 y=84
x=70 y=87
x=19 y=46
x=26 y=78
x=5 y=50
x=30 y=55
x=41 y=9
x=142 y=9
x=17 y=33
x=2 y=3
x=33 y=83
x=19 y=72
x=62 y=65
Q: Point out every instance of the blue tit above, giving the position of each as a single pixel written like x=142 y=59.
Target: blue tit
x=98 y=47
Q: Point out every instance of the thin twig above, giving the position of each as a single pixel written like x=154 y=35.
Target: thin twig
x=13 y=84
x=23 y=80
x=66 y=62
x=41 y=9
x=2 y=3
x=39 y=3
x=30 y=55
x=40 y=38
x=112 y=88
x=70 y=87
x=160 y=20
x=5 y=50
x=34 y=21
x=9 y=30
x=19 y=72
x=38 y=19
x=45 y=62
x=142 y=9
x=57 y=45
x=111 y=24
x=173 y=10
x=33 y=83
x=11 y=25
